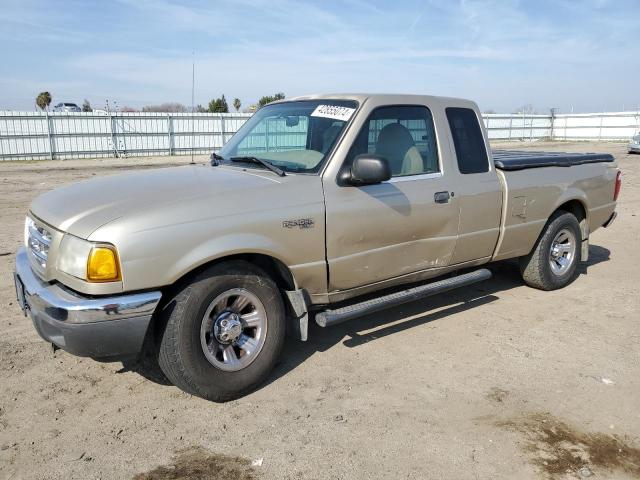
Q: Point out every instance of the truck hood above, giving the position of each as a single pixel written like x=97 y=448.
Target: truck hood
x=83 y=207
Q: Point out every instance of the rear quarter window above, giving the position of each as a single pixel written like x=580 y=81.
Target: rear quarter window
x=468 y=141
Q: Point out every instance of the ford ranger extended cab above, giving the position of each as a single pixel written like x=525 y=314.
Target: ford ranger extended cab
x=322 y=207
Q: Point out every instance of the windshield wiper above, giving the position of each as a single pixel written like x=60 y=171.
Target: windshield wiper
x=261 y=161
x=215 y=159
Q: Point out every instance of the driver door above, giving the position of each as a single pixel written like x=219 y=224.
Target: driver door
x=395 y=228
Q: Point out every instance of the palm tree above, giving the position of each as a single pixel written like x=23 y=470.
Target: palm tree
x=43 y=100
x=237 y=104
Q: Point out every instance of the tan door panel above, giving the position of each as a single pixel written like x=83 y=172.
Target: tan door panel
x=383 y=231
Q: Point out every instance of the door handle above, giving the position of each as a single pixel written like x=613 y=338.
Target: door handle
x=442 y=197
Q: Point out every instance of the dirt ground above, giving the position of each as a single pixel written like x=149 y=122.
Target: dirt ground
x=493 y=381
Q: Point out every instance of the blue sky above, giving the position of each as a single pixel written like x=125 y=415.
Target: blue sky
x=503 y=54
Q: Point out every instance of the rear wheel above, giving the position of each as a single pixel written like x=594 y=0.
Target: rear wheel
x=224 y=331
x=553 y=262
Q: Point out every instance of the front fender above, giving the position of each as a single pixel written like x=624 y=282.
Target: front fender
x=153 y=258
x=225 y=246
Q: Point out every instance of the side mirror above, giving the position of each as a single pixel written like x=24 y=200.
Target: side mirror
x=369 y=169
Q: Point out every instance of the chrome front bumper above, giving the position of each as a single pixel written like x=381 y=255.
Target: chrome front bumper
x=99 y=327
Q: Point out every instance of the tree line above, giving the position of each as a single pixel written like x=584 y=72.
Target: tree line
x=216 y=105
x=219 y=105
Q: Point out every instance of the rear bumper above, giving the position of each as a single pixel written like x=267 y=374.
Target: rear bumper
x=633 y=148
x=110 y=328
x=610 y=220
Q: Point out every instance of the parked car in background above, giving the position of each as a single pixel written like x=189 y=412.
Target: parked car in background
x=634 y=144
x=66 y=107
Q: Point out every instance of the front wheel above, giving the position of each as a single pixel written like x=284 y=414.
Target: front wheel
x=553 y=262
x=224 y=331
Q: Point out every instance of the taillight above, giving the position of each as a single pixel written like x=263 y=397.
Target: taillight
x=616 y=192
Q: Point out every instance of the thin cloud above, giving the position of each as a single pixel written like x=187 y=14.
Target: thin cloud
x=503 y=53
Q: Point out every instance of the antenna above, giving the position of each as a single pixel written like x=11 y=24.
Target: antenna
x=193 y=83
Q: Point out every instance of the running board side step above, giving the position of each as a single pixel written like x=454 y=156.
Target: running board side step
x=328 y=318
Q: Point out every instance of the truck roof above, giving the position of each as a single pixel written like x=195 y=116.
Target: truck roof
x=390 y=98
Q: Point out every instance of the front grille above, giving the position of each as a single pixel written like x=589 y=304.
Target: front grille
x=38 y=241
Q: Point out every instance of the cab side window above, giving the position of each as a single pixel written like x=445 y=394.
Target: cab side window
x=404 y=135
x=468 y=140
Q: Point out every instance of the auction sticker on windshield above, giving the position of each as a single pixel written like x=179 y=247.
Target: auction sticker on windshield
x=334 y=112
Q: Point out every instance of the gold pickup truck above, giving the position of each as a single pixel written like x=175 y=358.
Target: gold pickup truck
x=324 y=207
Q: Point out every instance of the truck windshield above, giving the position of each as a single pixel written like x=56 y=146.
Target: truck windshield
x=294 y=136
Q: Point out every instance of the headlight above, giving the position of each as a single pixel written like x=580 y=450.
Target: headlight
x=87 y=260
x=28 y=223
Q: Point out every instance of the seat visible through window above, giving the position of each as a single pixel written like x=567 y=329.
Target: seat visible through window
x=396 y=144
x=404 y=135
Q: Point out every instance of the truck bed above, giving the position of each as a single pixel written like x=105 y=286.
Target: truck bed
x=519 y=160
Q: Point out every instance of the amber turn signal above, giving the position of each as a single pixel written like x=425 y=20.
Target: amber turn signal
x=102 y=265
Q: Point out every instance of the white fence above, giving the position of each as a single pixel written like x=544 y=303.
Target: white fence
x=517 y=127
x=61 y=135
x=596 y=126
x=570 y=126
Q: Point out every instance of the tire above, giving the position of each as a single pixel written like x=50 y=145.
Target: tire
x=196 y=353
x=543 y=268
